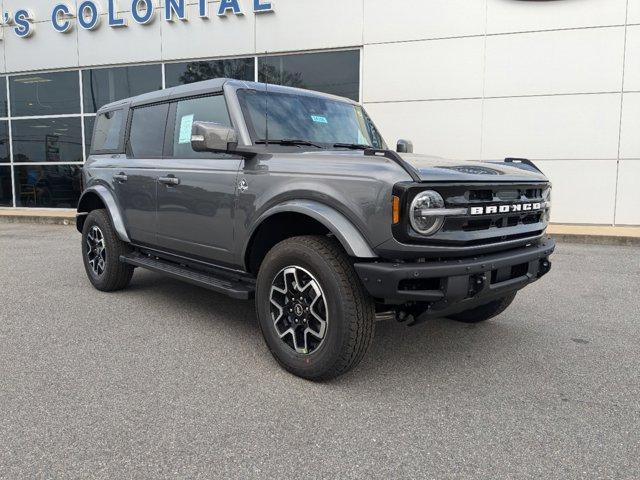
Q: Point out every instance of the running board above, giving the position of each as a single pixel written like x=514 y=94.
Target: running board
x=232 y=288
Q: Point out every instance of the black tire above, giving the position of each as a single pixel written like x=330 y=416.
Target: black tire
x=114 y=275
x=350 y=311
x=484 y=312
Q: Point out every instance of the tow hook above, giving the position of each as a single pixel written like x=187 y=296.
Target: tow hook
x=476 y=283
x=410 y=314
x=544 y=267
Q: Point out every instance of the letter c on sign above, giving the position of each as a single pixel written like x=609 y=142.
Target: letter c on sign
x=88 y=15
x=59 y=18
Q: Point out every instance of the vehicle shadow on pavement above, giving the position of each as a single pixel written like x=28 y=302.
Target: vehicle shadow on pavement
x=433 y=347
x=439 y=345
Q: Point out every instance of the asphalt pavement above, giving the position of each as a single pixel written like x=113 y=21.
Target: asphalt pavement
x=167 y=380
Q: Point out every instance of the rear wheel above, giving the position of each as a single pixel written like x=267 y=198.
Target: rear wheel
x=315 y=316
x=101 y=250
x=484 y=312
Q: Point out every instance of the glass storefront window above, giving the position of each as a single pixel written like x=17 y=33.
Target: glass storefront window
x=105 y=85
x=185 y=73
x=5 y=186
x=89 y=123
x=46 y=112
x=337 y=73
x=47 y=186
x=47 y=140
x=45 y=94
x=4 y=141
x=3 y=97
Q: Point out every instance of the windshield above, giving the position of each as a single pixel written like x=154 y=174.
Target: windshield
x=283 y=116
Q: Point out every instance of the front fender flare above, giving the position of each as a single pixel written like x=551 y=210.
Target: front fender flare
x=110 y=204
x=340 y=226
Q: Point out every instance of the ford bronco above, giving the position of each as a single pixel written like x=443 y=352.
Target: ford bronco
x=292 y=197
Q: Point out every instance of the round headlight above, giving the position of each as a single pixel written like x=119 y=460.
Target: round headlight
x=546 y=195
x=422 y=220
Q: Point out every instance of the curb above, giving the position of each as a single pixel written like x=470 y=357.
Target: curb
x=596 y=239
x=36 y=219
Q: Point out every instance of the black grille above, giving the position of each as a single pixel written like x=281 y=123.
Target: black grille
x=457 y=197
x=467 y=224
x=467 y=230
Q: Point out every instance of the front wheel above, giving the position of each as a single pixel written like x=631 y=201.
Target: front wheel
x=484 y=312
x=316 y=318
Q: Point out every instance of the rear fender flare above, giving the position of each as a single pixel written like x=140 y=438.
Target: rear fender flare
x=110 y=204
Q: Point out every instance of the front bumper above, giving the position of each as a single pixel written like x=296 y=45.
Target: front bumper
x=453 y=285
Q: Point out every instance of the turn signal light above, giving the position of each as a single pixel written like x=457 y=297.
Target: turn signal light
x=395 y=210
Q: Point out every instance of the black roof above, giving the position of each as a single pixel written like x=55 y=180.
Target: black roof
x=206 y=87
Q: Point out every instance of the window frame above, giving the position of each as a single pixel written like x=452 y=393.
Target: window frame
x=260 y=59
x=14 y=105
x=123 y=130
x=16 y=140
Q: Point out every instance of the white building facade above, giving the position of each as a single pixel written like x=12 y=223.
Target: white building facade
x=557 y=82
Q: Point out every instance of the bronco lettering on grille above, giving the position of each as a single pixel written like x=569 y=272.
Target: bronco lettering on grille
x=495 y=209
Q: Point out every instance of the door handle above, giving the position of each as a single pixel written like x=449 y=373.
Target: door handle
x=170 y=181
x=120 y=177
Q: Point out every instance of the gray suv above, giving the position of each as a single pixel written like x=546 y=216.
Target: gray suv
x=292 y=197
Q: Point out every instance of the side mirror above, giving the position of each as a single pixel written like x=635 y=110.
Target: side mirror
x=404 y=146
x=212 y=137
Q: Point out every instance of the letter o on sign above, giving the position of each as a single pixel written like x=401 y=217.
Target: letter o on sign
x=142 y=11
x=88 y=15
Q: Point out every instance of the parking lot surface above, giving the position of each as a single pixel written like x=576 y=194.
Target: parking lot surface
x=167 y=380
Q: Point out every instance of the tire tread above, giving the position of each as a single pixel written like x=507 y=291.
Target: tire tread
x=357 y=304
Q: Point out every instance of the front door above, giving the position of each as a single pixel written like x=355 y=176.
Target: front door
x=196 y=190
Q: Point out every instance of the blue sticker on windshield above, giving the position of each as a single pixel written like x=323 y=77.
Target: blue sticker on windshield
x=319 y=119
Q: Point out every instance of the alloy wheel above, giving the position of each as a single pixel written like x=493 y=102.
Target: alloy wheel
x=96 y=250
x=298 y=309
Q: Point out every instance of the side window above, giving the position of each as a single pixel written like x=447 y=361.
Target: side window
x=107 y=131
x=203 y=109
x=146 y=136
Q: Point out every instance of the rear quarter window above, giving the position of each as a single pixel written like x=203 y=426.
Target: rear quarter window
x=146 y=133
x=108 y=132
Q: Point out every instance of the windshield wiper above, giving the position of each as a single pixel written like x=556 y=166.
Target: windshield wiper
x=352 y=146
x=289 y=141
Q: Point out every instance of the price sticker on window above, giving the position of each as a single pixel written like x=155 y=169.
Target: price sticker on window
x=186 y=125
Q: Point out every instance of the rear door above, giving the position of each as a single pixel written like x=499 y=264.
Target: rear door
x=135 y=182
x=196 y=190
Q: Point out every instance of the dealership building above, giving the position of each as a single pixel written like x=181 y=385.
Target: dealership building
x=556 y=82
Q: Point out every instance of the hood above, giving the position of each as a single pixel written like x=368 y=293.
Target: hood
x=436 y=169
